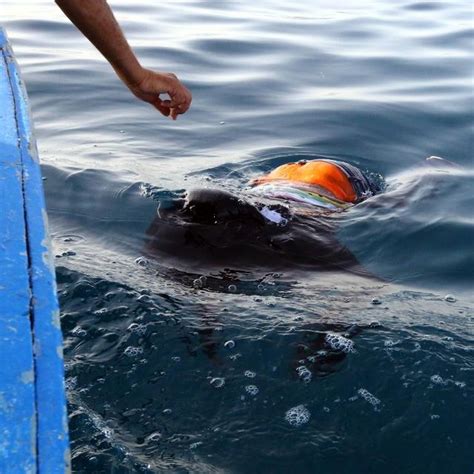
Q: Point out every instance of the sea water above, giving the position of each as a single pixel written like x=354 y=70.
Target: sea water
x=172 y=368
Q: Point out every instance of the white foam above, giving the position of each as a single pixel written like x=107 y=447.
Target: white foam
x=298 y=415
x=131 y=351
x=339 y=343
x=304 y=373
x=252 y=390
x=437 y=379
x=368 y=397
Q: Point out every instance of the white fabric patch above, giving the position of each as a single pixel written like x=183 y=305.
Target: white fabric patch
x=272 y=216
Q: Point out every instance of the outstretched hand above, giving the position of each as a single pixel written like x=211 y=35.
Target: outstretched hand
x=151 y=84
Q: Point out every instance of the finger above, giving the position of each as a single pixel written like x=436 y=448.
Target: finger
x=174 y=113
x=182 y=105
x=168 y=103
x=162 y=108
x=175 y=101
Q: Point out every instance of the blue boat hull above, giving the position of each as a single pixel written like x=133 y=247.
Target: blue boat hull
x=33 y=415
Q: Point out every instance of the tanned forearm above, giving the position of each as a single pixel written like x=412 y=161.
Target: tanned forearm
x=96 y=21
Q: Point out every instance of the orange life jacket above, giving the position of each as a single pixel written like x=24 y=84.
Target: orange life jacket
x=321 y=173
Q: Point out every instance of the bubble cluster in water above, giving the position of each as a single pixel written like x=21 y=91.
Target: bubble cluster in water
x=79 y=332
x=368 y=397
x=252 y=390
x=137 y=328
x=200 y=282
x=250 y=374
x=131 y=351
x=71 y=383
x=437 y=379
x=339 y=343
x=304 y=373
x=298 y=415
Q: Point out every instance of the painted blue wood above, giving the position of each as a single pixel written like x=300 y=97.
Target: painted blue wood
x=17 y=390
x=27 y=223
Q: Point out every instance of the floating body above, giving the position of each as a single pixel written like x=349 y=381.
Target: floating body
x=283 y=219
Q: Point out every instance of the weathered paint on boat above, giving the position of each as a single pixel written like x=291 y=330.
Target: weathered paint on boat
x=33 y=416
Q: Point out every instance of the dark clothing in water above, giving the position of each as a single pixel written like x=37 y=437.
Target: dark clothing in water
x=216 y=227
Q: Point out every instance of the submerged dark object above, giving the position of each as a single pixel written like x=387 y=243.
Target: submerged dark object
x=214 y=228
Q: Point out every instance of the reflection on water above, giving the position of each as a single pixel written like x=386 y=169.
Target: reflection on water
x=182 y=366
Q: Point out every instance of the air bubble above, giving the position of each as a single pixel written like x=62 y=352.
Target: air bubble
x=142 y=261
x=339 y=343
x=217 y=382
x=252 y=390
x=437 y=379
x=450 y=299
x=156 y=436
x=137 y=328
x=79 y=332
x=232 y=288
x=71 y=383
x=250 y=374
x=131 y=351
x=229 y=344
x=368 y=397
x=304 y=373
x=376 y=301
x=298 y=415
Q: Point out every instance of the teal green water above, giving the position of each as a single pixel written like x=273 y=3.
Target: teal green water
x=250 y=370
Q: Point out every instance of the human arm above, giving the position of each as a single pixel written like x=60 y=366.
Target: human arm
x=96 y=21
